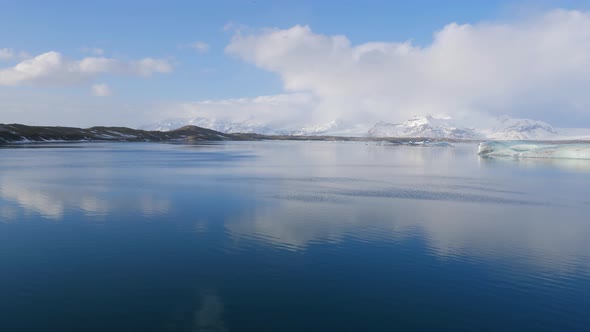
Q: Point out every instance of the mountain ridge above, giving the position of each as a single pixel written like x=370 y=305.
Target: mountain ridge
x=19 y=133
x=15 y=133
x=501 y=128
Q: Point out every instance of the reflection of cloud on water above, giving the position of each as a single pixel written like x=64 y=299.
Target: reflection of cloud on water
x=150 y=205
x=295 y=224
x=209 y=316
x=54 y=202
x=45 y=204
x=548 y=236
x=94 y=205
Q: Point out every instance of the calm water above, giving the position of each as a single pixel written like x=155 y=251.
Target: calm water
x=290 y=236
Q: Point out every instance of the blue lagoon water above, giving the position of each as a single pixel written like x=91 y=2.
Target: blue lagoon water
x=290 y=236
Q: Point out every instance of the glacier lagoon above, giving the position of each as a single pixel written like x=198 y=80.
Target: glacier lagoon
x=291 y=236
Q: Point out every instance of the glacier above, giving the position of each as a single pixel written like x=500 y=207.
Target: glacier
x=525 y=149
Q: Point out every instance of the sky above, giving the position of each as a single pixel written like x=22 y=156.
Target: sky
x=297 y=63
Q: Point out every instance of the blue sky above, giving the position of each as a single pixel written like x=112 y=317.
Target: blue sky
x=158 y=28
x=132 y=30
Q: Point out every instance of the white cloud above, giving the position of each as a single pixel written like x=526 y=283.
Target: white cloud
x=148 y=66
x=52 y=68
x=279 y=111
x=6 y=53
x=538 y=67
x=200 y=47
x=101 y=90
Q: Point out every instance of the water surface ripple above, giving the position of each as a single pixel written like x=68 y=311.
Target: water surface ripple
x=290 y=236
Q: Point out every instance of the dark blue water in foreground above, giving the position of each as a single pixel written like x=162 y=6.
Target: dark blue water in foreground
x=290 y=236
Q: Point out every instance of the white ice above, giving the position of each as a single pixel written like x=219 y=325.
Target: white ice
x=521 y=149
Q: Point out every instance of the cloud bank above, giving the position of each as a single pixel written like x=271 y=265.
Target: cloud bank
x=538 y=67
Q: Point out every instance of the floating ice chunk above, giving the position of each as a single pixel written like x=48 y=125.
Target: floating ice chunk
x=520 y=149
x=432 y=144
x=412 y=143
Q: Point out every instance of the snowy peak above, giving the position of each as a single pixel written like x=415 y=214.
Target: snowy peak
x=423 y=126
x=503 y=128
x=317 y=129
x=508 y=128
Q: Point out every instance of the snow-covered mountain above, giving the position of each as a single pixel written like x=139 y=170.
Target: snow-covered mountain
x=502 y=128
x=336 y=127
x=424 y=126
x=318 y=129
x=333 y=128
x=507 y=128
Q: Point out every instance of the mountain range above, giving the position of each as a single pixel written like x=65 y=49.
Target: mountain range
x=502 y=128
x=336 y=128
x=18 y=133
x=418 y=127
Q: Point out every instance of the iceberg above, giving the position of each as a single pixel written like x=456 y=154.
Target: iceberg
x=523 y=149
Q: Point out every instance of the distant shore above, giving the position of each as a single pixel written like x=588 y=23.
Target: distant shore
x=18 y=133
